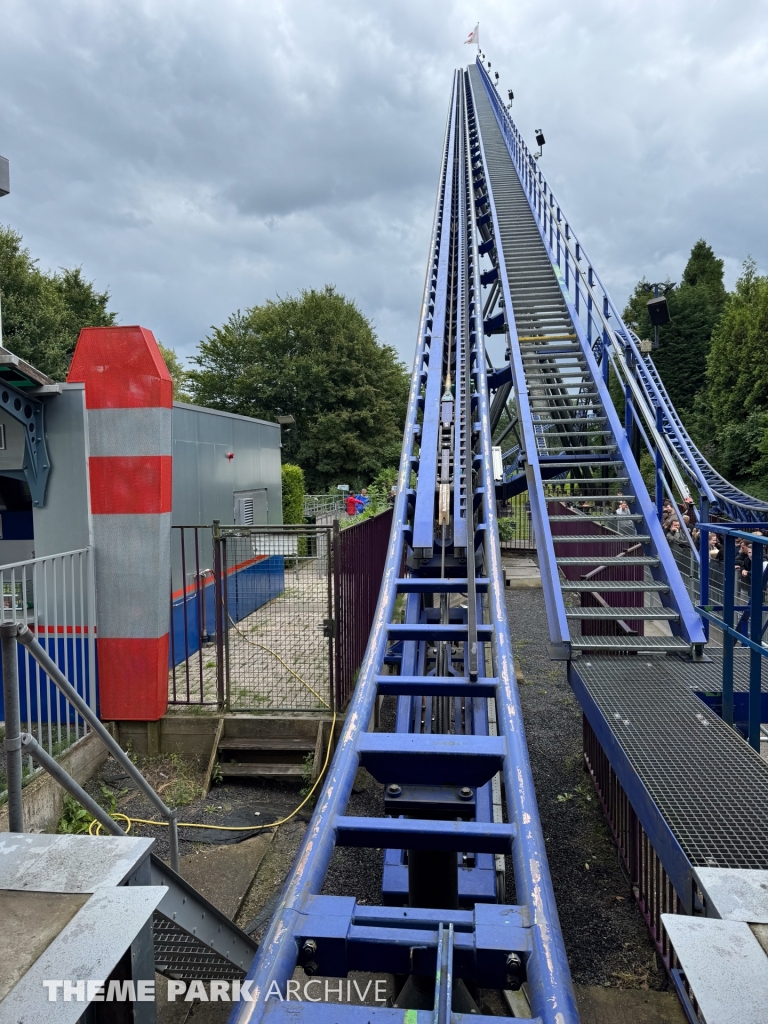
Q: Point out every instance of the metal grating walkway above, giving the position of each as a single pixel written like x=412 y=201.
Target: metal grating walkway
x=709 y=785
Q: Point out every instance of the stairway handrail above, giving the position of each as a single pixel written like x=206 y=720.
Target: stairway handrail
x=48 y=665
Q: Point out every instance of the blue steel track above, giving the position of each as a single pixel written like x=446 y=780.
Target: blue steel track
x=460 y=730
x=458 y=800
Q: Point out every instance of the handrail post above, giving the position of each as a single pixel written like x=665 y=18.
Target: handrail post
x=704 y=571
x=64 y=686
x=173 y=829
x=8 y=634
x=756 y=635
x=219 y=621
x=729 y=584
x=659 y=461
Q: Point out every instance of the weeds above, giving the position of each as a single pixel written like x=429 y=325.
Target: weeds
x=74 y=820
x=307 y=768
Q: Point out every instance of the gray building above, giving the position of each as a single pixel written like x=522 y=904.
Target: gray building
x=225 y=467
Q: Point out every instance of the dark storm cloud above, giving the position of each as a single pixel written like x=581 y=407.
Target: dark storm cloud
x=199 y=158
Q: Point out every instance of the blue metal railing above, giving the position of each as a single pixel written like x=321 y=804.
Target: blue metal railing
x=590 y=308
x=748 y=630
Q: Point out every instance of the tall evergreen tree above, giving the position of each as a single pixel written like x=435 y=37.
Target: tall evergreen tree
x=695 y=306
x=736 y=399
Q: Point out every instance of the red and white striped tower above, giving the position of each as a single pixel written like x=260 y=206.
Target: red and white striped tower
x=129 y=402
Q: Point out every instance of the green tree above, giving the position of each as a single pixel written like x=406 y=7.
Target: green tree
x=695 y=306
x=314 y=357
x=42 y=313
x=293 y=493
x=735 y=403
x=176 y=369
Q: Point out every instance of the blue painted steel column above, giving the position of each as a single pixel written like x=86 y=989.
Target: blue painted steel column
x=659 y=465
x=756 y=636
x=729 y=584
x=704 y=572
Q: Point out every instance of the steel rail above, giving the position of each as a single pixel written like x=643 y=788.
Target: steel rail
x=549 y=977
x=278 y=951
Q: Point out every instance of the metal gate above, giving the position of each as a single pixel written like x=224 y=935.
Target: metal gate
x=272 y=618
x=277 y=612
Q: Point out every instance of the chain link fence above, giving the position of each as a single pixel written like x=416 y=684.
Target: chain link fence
x=278 y=617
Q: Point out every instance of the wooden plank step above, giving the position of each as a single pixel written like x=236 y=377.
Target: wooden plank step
x=261 y=770
x=257 y=743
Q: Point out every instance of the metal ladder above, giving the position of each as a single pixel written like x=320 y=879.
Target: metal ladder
x=621 y=569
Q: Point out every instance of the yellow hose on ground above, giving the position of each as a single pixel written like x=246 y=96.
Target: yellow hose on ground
x=269 y=650
x=94 y=829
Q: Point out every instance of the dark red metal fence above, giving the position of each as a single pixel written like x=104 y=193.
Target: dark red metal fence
x=650 y=883
x=359 y=555
x=583 y=526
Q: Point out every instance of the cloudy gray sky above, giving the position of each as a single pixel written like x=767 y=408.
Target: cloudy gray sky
x=199 y=157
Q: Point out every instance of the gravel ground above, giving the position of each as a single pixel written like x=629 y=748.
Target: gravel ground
x=605 y=936
x=239 y=804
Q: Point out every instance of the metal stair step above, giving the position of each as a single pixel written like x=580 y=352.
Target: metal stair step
x=593 y=479
x=646 y=644
x=595 y=538
x=622 y=613
x=610 y=517
x=606 y=560
x=606 y=586
x=576 y=462
x=590 y=497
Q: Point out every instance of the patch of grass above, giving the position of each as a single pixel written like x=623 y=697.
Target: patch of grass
x=639 y=977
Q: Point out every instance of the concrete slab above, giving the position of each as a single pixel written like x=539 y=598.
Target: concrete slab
x=737 y=991
x=522 y=572
x=89 y=946
x=64 y=863
x=598 y=1005
x=735 y=894
x=223 y=874
x=20 y=944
